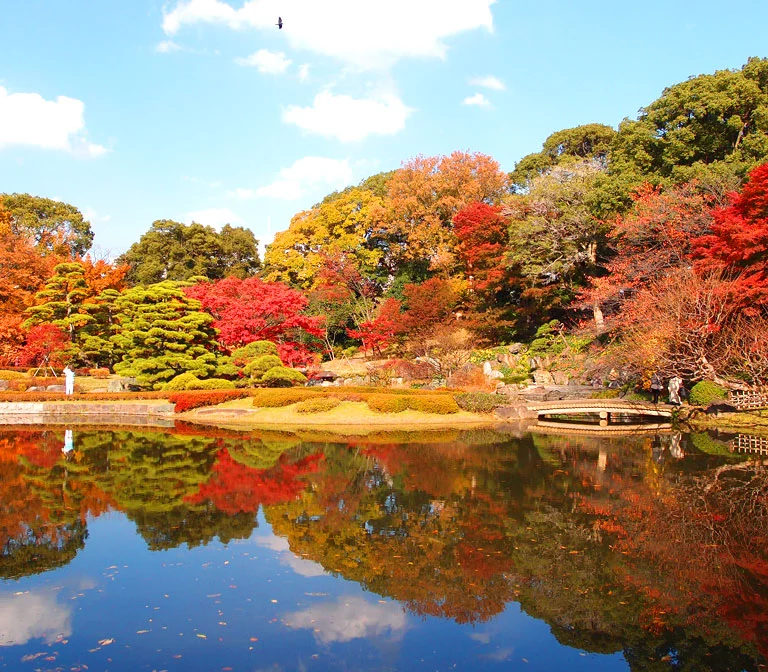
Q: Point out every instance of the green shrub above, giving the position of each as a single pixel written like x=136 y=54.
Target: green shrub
x=440 y=404
x=254 y=350
x=259 y=366
x=605 y=394
x=479 y=402
x=277 y=397
x=282 y=376
x=215 y=384
x=184 y=381
x=387 y=403
x=705 y=392
x=317 y=405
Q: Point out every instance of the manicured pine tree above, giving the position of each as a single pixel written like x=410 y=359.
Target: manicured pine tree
x=162 y=333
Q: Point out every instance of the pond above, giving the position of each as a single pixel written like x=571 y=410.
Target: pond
x=197 y=549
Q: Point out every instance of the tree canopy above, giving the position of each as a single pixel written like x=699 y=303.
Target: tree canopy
x=174 y=251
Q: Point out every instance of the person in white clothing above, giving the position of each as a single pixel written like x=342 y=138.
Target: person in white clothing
x=69 y=380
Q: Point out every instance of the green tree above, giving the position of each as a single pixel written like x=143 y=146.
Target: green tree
x=587 y=142
x=174 y=251
x=162 y=333
x=56 y=227
x=61 y=301
x=720 y=118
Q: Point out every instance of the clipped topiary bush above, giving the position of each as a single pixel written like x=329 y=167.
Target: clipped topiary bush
x=184 y=381
x=440 y=404
x=253 y=350
x=705 y=392
x=479 y=402
x=387 y=403
x=277 y=397
x=215 y=384
x=186 y=401
x=259 y=366
x=282 y=376
x=317 y=405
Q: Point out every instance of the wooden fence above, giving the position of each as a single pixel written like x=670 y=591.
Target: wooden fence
x=749 y=399
x=747 y=443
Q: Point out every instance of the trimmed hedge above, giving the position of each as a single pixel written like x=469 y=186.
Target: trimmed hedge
x=387 y=403
x=479 y=402
x=189 y=381
x=441 y=404
x=281 y=396
x=12 y=375
x=317 y=405
x=91 y=396
x=187 y=401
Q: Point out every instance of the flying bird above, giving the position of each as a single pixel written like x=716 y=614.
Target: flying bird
x=279 y=23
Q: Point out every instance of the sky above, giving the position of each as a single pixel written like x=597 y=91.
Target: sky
x=205 y=110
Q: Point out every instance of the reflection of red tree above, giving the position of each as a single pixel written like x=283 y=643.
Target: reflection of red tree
x=234 y=488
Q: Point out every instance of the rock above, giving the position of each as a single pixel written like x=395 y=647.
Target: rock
x=514 y=412
x=55 y=388
x=122 y=384
x=509 y=390
x=718 y=408
x=495 y=375
x=515 y=348
x=543 y=378
x=4 y=384
x=36 y=388
x=560 y=377
x=487 y=368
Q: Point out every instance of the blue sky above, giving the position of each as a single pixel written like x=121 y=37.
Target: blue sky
x=202 y=109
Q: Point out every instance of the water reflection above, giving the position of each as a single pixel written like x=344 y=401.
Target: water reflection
x=652 y=545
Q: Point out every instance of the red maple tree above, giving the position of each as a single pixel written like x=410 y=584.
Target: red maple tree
x=253 y=310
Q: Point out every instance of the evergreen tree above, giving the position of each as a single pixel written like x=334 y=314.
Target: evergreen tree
x=162 y=333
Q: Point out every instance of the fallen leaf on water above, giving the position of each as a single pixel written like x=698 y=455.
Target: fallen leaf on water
x=106 y=642
x=202 y=636
x=142 y=632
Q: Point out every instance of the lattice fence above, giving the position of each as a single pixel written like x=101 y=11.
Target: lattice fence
x=749 y=399
x=747 y=443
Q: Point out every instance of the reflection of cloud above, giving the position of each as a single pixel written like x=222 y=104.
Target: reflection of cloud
x=31 y=616
x=500 y=655
x=482 y=637
x=349 y=618
x=299 y=565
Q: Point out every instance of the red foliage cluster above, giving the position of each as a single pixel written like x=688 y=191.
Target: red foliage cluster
x=45 y=344
x=234 y=488
x=253 y=310
x=483 y=234
x=379 y=333
x=186 y=401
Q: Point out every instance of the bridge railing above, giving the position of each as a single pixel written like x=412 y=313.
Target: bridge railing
x=744 y=400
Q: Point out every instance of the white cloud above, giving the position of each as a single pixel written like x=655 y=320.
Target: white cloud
x=303 y=72
x=167 y=47
x=32 y=616
x=266 y=62
x=365 y=35
x=349 y=119
x=488 y=82
x=215 y=217
x=92 y=216
x=29 y=119
x=349 y=618
x=478 y=99
x=300 y=566
x=304 y=175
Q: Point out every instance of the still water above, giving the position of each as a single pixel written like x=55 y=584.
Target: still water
x=196 y=549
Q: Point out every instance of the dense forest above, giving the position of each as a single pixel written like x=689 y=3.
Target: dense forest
x=649 y=242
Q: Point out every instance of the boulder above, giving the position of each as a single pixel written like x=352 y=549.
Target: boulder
x=718 y=408
x=514 y=412
x=55 y=388
x=543 y=378
x=4 y=384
